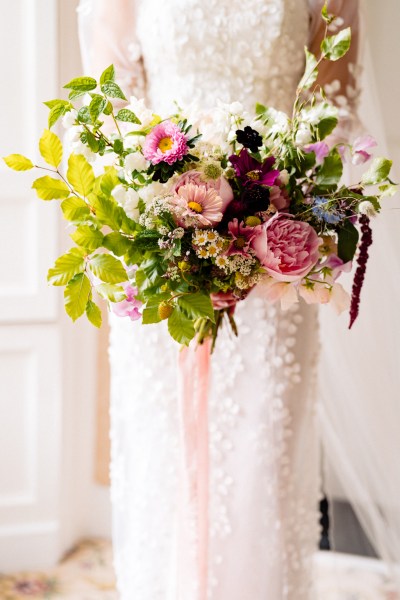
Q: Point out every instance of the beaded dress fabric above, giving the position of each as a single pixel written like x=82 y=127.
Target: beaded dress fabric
x=264 y=466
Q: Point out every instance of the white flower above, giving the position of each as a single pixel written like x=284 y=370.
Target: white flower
x=303 y=135
x=144 y=114
x=135 y=162
x=284 y=177
x=80 y=148
x=128 y=199
x=69 y=119
x=236 y=108
x=367 y=208
x=149 y=192
x=321 y=110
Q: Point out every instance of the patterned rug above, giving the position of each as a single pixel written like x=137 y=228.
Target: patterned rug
x=86 y=574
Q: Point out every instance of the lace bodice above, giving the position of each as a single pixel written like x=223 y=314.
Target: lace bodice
x=222 y=49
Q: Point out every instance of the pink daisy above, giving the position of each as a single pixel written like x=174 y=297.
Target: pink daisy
x=241 y=237
x=165 y=143
x=198 y=206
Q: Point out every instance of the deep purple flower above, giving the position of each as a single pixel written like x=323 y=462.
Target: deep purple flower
x=366 y=241
x=251 y=171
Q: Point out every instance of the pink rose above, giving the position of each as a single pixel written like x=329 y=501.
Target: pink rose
x=220 y=185
x=286 y=248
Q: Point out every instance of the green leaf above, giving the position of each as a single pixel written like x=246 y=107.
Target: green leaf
x=107 y=211
x=197 y=305
x=66 y=267
x=310 y=72
x=108 y=74
x=50 y=147
x=150 y=315
x=330 y=172
x=18 y=162
x=84 y=115
x=324 y=12
x=347 y=241
x=109 y=181
x=76 y=296
x=57 y=111
x=260 y=109
x=75 y=209
x=108 y=109
x=80 y=174
x=127 y=116
x=49 y=188
x=93 y=313
x=56 y=102
x=74 y=94
x=81 y=84
x=388 y=190
x=97 y=106
x=88 y=237
x=377 y=172
x=336 y=46
x=326 y=126
x=112 y=90
x=107 y=268
x=180 y=327
x=113 y=293
x=117 y=243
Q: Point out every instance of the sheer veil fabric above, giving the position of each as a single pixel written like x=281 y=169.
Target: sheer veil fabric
x=264 y=446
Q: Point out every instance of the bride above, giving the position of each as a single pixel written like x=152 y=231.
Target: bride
x=264 y=460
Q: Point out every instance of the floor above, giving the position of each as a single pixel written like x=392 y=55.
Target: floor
x=86 y=574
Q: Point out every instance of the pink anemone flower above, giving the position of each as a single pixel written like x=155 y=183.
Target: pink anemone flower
x=165 y=143
x=197 y=206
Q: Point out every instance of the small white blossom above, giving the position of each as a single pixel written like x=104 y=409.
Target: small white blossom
x=80 y=148
x=135 y=162
x=69 y=119
x=128 y=199
x=367 y=208
x=144 y=114
x=151 y=191
x=284 y=177
x=303 y=135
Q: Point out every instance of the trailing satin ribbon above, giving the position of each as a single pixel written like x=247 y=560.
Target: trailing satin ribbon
x=193 y=535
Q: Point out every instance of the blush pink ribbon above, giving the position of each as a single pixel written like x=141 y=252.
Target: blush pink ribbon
x=193 y=528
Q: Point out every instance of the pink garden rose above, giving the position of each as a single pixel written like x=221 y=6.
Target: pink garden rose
x=165 y=143
x=286 y=248
x=221 y=185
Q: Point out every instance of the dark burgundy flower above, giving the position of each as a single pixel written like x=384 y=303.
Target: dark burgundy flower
x=256 y=199
x=366 y=241
x=249 y=138
x=251 y=171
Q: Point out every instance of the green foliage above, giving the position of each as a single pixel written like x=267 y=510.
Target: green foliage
x=18 y=162
x=150 y=315
x=107 y=211
x=76 y=295
x=81 y=84
x=180 y=327
x=51 y=148
x=93 y=313
x=88 y=237
x=112 y=90
x=326 y=126
x=117 y=243
x=49 y=188
x=67 y=266
x=330 y=172
x=80 y=174
x=335 y=46
x=110 y=292
x=347 y=241
x=107 y=75
x=97 y=106
x=310 y=72
x=75 y=209
x=58 y=108
x=107 y=268
x=127 y=115
x=197 y=305
x=378 y=171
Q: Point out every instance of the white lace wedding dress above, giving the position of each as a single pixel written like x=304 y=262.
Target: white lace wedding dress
x=264 y=465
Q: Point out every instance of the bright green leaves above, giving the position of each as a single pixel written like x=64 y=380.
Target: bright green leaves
x=377 y=172
x=330 y=172
x=180 y=327
x=335 y=46
x=107 y=268
x=93 y=313
x=326 y=126
x=97 y=106
x=75 y=209
x=310 y=72
x=80 y=86
x=80 y=174
x=127 y=116
x=113 y=293
x=58 y=108
x=107 y=75
x=51 y=148
x=18 y=162
x=49 y=188
x=88 y=237
x=76 y=295
x=347 y=241
x=197 y=305
x=112 y=90
x=67 y=266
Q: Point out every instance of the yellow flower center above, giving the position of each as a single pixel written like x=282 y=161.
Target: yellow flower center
x=255 y=175
x=240 y=242
x=165 y=144
x=195 y=206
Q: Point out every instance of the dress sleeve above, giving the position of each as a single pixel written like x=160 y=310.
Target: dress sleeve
x=341 y=78
x=108 y=35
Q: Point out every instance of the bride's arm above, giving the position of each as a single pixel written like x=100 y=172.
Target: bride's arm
x=107 y=35
x=339 y=78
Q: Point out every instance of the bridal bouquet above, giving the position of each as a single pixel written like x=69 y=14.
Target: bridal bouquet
x=186 y=213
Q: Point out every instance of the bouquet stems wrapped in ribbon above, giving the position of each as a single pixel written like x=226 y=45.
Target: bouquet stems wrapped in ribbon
x=189 y=211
